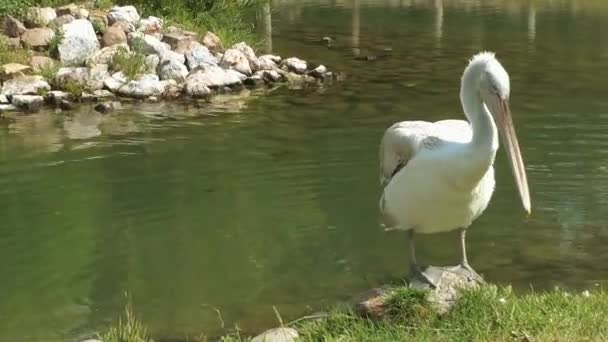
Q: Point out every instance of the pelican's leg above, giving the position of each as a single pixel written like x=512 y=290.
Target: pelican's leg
x=464 y=263
x=415 y=268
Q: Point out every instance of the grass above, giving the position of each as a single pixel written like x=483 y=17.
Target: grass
x=128 y=330
x=486 y=314
x=9 y=54
x=54 y=44
x=49 y=73
x=132 y=64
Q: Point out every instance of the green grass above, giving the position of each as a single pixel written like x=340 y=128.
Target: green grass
x=486 y=314
x=128 y=330
x=49 y=73
x=9 y=54
x=54 y=44
x=132 y=64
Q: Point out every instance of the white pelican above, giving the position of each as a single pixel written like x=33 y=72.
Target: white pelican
x=439 y=177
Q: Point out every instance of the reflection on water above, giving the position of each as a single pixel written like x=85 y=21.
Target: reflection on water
x=247 y=202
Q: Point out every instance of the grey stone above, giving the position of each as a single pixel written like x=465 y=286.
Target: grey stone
x=319 y=71
x=107 y=107
x=39 y=17
x=25 y=85
x=255 y=80
x=146 y=44
x=41 y=62
x=12 y=27
x=146 y=86
x=105 y=55
x=214 y=77
x=97 y=75
x=172 y=70
x=151 y=25
x=7 y=108
x=270 y=76
x=65 y=105
x=30 y=103
x=249 y=54
x=37 y=38
x=124 y=14
x=266 y=63
x=152 y=61
x=179 y=42
x=79 y=42
x=282 y=334
x=276 y=59
x=115 y=81
x=82 y=13
x=78 y=75
x=212 y=42
x=200 y=55
x=71 y=9
x=294 y=64
x=55 y=97
x=4 y=99
x=58 y=22
x=235 y=59
x=114 y=35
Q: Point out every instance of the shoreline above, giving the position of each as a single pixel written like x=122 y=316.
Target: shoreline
x=58 y=57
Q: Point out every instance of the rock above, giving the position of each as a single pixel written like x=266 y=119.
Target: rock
x=55 y=97
x=108 y=107
x=173 y=91
x=58 y=22
x=266 y=63
x=169 y=55
x=172 y=70
x=179 y=42
x=82 y=13
x=4 y=99
x=282 y=334
x=270 y=76
x=276 y=59
x=255 y=80
x=115 y=81
x=213 y=42
x=39 y=17
x=124 y=14
x=97 y=75
x=152 y=26
x=214 y=77
x=152 y=99
x=37 y=38
x=372 y=303
x=297 y=81
x=30 y=103
x=65 y=105
x=99 y=20
x=41 y=62
x=249 y=53
x=114 y=35
x=200 y=55
x=71 y=9
x=14 y=42
x=7 y=108
x=152 y=61
x=78 y=43
x=25 y=85
x=235 y=59
x=146 y=44
x=12 y=27
x=105 y=55
x=78 y=75
x=319 y=71
x=295 y=65
x=103 y=94
x=148 y=85
x=10 y=70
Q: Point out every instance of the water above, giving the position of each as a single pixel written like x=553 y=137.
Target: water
x=260 y=201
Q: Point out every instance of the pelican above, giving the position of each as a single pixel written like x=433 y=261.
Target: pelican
x=439 y=176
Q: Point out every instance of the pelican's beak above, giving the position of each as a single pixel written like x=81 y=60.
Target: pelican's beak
x=509 y=139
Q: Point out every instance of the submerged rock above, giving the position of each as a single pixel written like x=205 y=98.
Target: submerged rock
x=282 y=334
x=319 y=71
x=55 y=97
x=79 y=42
x=108 y=107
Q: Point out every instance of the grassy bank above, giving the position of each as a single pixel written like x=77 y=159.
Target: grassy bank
x=231 y=20
x=486 y=314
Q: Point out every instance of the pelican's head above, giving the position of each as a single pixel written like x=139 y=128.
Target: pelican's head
x=494 y=89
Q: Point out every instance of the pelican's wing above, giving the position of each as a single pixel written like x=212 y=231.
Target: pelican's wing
x=403 y=140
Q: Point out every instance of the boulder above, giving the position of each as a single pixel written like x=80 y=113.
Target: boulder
x=12 y=27
x=276 y=59
x=124 y=14
x=200 y=55
x=146 y=44
x=30 y=103
x=146 y=86
x=115 y=81
x=105 y=55
x=152 y=62
x=214 y=77
x=319 y=71
x=270 y=76
x=7 y=108
x=196 y=89
x=39 y=17
x=58 y=22
x=82 y=13
x=172 y=70
x=114 y=35
x=55 y=97
x=295 y=65
x=4 y=100
x=10 y=70
x=249 y=53
x=71 y=9
x=266 y=63
x=37 y=38
x=152 y=26
x=25 y=85
x=41 y=62
x=282 y=334
x=235 y=59
x=97 y=75
x=213 y=42
x=173 y=91
x=179 y=42
x=79 y=42
x=166 y=55
x=255 y=80
x=105 y=108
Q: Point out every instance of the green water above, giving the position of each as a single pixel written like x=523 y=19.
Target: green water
x=260 y=201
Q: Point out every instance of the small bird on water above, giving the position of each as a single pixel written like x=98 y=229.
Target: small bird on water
x=439 y=176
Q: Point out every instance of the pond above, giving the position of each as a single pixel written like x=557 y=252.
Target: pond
x=270 y=200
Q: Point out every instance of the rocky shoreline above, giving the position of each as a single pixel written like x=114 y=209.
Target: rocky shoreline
x=86 y=55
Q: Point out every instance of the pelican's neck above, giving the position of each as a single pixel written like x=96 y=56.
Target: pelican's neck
x=485 y=135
